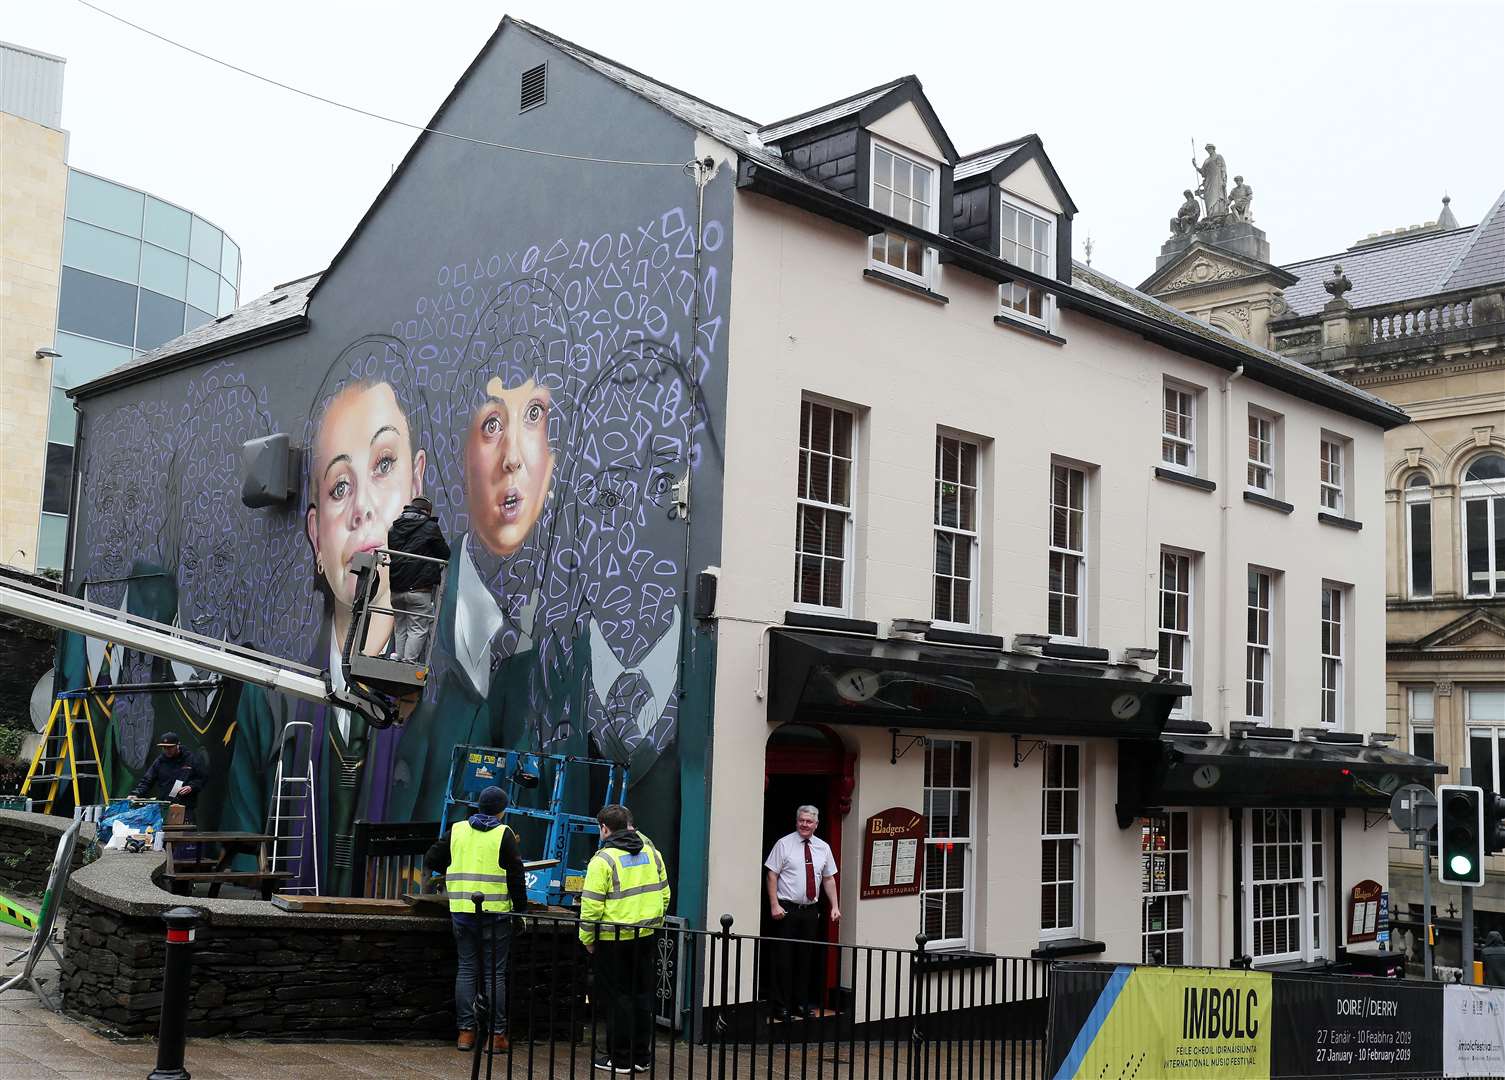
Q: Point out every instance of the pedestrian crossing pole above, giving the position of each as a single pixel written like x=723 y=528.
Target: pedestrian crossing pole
x=1466 y=946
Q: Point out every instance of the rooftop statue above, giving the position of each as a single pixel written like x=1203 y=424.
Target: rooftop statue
x=1185 y=221
x=1239 y=199
x=1214 y=186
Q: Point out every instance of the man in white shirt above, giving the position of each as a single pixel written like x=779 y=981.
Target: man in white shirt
x=799 y=867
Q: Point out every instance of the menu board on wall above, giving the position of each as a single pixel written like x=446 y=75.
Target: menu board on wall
x=1364 y=911
x=893 y=853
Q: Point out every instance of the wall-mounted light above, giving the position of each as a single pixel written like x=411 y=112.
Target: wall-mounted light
x=44 y=353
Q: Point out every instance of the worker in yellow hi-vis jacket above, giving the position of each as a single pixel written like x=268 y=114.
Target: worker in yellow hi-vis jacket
x=480 y=855
x=622 y=906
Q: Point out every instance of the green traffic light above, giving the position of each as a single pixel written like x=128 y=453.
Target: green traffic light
x=1461 y=865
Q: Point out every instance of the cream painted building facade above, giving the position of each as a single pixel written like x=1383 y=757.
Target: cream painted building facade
x=934 y=459
x=33 y=187
x=1414 y=315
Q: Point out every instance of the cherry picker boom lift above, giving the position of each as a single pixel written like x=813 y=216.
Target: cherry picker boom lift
x=377 y=688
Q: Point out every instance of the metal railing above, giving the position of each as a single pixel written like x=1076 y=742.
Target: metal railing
x=880 y=1013
x=388 y=857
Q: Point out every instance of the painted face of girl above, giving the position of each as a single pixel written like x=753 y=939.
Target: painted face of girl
x=364 y=471
x=508 y=464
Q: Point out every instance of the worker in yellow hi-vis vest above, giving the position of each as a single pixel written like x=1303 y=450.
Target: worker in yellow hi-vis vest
x=622 y=905
x=480 y=855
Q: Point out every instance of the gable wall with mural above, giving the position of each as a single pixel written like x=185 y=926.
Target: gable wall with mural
x=511 y=336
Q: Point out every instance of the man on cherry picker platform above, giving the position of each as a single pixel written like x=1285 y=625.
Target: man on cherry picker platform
x=415 y=532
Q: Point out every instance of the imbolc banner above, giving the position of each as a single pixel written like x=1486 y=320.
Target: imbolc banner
x=1159 y=1022
x=1473 y=1031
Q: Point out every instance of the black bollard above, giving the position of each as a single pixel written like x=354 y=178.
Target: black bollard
x=176 y=972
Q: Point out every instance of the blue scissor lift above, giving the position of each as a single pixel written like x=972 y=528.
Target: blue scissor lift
x=567 y=838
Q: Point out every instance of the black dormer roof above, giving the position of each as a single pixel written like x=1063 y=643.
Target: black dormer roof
x=860 y=110
x=997 y=163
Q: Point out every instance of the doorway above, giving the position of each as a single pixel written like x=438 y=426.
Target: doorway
x=807 y=765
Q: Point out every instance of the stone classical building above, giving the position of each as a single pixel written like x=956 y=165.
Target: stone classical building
x=92 y=273
x=1416 y=316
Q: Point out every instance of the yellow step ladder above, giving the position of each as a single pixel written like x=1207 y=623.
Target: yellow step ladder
x=57 y=757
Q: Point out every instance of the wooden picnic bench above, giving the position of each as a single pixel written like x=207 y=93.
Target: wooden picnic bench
x=182 y=873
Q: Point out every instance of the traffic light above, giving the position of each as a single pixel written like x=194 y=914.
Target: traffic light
x=1460 y=835
x=1494 y=823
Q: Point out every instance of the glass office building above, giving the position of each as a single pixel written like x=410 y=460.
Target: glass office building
x=137 y=272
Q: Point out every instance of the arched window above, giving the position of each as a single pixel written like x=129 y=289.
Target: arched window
x=1419 y=536
x=1483 y=495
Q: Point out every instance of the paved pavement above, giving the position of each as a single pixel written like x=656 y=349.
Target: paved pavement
x=38 y=1044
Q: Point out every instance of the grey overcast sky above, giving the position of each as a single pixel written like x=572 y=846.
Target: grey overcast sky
x=1347 y=118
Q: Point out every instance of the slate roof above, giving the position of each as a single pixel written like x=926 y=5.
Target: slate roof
x=285 y=303
x=782 y=129
x=1381 y=273
x=984 y=160
x=1482 y=261
x=290 y=301
x=735 y=131
x=1100 y=284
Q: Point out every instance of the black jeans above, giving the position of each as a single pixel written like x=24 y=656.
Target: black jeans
x=794 y=962
x=625 y=976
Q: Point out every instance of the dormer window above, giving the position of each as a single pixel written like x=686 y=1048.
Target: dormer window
x=903 y=188
x=1027 y=240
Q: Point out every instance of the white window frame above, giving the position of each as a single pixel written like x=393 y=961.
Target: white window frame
x=1492 y=494
x=932 y=212
x=1311 y=886
x=1335 y=619
x=1490 y=728
x=1261 y=443
x=1418 y=496
x=1075 y=838
x=1259 y=650
x=1047 y=317
x=1418 y=725
x=803 y=504
x=1067 y=554
x=1178 y=428
x=1148 y=894
x=1182 y=565
x=1332 y=474
x=957 y=534
x=965 y=893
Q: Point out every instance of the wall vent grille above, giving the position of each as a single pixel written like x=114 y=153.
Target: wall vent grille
x=535 y=88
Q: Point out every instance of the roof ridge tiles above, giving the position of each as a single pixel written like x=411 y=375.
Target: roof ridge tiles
x=1007 y=144
x=797 y=117
x=554 y=38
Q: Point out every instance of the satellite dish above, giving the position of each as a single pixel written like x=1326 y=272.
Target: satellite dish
x=41 y=701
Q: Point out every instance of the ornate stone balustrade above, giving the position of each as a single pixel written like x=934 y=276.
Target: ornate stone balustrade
x=1419 y=319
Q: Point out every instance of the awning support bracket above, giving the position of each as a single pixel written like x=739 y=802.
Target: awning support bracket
x=1374 y=817
x=1020 y=759
x=894 y=753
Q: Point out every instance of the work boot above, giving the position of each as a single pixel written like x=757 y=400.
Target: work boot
x=499 y=1044
x=467 y=1040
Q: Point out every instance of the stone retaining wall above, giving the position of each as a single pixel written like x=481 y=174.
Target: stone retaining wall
x=259 y=971
x=27 y=845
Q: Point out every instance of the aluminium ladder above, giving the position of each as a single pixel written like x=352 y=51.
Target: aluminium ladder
x=57 y=757
x=291 y=820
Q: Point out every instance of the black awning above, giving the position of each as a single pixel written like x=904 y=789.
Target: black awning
x=1197 y=770
x=844 y=679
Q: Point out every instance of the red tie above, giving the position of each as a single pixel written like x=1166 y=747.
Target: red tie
x=809 y=875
